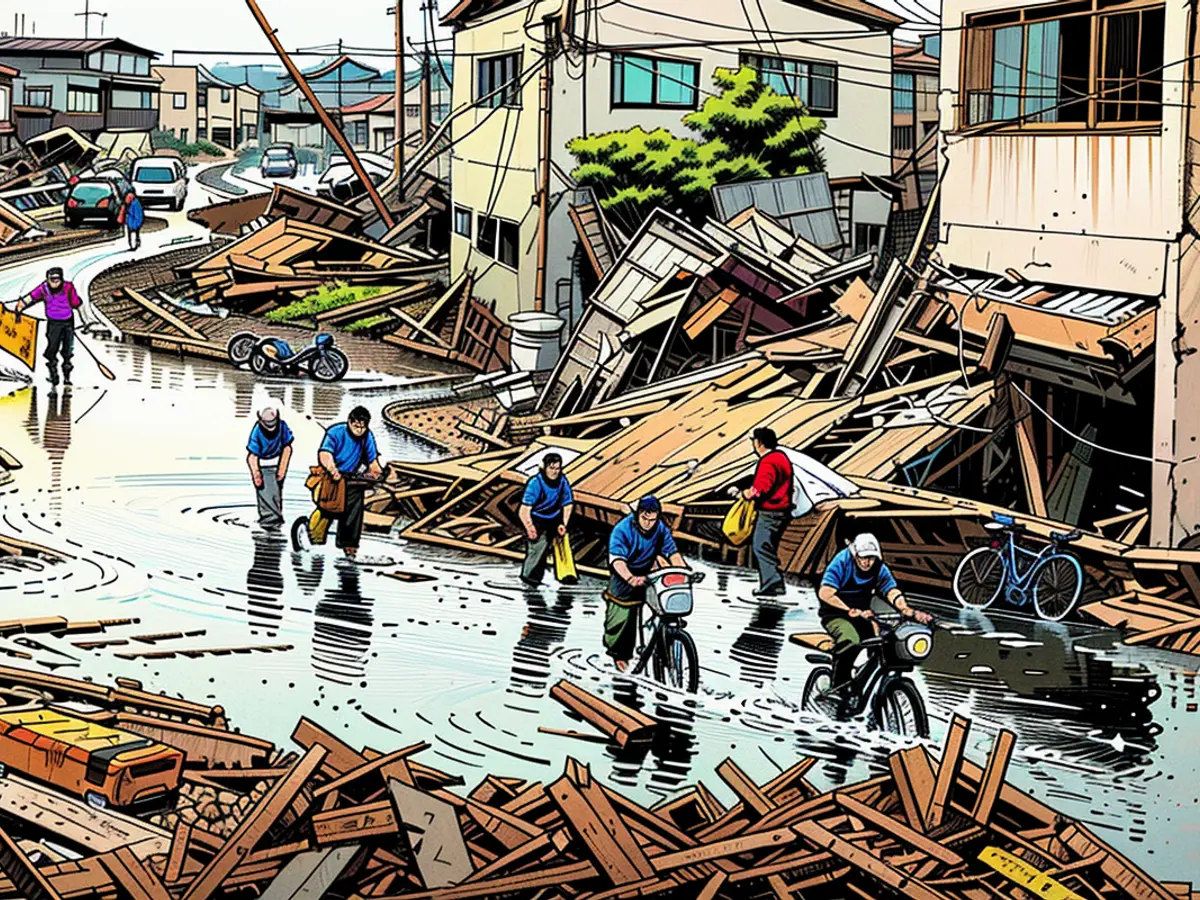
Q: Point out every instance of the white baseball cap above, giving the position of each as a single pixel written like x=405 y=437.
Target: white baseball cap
x=865 y=546
x=268 y=415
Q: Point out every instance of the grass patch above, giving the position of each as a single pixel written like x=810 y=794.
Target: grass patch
x=164 y=140
x=369 y=322
x=327 y=298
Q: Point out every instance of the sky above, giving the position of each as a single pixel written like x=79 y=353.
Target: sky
x=223 y=25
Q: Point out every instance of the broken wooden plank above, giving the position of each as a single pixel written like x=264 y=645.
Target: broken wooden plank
x=948 y=769
x=202 y=744
x=886 y=823
x=434 y=834
x=867 y=862
x=21 y=871
x=340 y=757
x=370 y=768
x=165 y=314
x=993 y=777
x=310 y=875
x=1035 y=495
x=620 y=723
x=999 y=343
x=354 y=822
x=260 y=818
x=914 y=783
x=747 y=791
x=137 y=880
x=1117 y=868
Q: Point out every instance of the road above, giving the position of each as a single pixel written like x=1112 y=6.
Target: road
x=143 y=482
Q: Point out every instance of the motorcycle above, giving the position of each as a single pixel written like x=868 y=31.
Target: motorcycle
x=275 y=356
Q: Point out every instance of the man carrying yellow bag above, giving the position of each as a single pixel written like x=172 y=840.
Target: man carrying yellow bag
x=545 y=512
x=771 y=496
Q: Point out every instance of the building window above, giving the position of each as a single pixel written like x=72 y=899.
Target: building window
x=498 y=239
x=251 y=132
x=462 y=222
x=904 y=87
x=902 y=137
x=81 y=101
x=224 y=95
x=356 y=132
x=642 y=81
x=95 y=61
x=183 y=134
x=412 y=110
x=202 y=98
x=1032 y=67
x=499 y=74
x=141 y=65
x=179 y=101
x=39 y=96
x=125 y=99
x=927 y=126
x=202 y=133
x=867 y=238
x=5 y=103
x=812 y=83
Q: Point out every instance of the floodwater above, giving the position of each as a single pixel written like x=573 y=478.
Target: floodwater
x=144 y=483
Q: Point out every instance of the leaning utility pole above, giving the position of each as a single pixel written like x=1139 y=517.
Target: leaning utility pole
x=545 y=83
x=398 y=102
x=338 y=138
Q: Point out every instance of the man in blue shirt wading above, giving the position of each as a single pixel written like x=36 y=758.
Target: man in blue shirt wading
x=851 y=581
x=268 y=453
x=636 y=547
x=545 y=512
x=348 y=451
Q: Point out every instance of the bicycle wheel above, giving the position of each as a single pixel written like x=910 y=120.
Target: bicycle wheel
x=900 y=709
x=980 y=578
x=816 y=697
x=1056 y=586
x=676 y=663
x=301 y=539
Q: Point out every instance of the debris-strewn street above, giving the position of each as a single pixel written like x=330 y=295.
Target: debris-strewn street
x=572 y=451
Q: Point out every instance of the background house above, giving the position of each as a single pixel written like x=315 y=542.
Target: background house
x=8 y=128
x=336 y=83
x=624 y=80
x=94 y=86
x=229 y=114
x=177 y=100
x=1067 y=164
x=915 y=80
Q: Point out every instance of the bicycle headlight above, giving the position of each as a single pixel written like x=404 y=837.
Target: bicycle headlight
x=918 y=646
x=270 y=351
x=911 y=642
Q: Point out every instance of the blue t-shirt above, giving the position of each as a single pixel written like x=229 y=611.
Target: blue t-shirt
x=638 y=549
x=349 y=453
x=269 y=446
x=547 y=500
x=855 y=587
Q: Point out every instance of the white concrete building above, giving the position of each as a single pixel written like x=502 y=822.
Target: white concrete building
x=627 y=65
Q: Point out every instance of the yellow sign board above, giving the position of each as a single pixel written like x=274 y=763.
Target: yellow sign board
x=18 y=335
x=1022 y=873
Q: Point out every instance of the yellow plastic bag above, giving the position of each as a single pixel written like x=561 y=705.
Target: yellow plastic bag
x=564 y=561
x=739 y=522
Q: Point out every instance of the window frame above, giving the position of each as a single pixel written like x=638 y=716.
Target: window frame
x=460 y=212
x=498 y=239
x=1097 y=11
x=751 y=58
x=40 y=89
x=75 y=92
x=510 y=97
x=655 y=103
x=176 y=98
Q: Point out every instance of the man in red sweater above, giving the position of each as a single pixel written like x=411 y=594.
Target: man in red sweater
x=771 y=493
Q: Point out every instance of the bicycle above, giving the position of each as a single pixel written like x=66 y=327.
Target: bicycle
x=1052 y=578
x=670 y=650
x=880 y=683
x=301 y=537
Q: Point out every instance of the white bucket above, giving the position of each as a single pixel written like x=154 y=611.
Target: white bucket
x=534 y=340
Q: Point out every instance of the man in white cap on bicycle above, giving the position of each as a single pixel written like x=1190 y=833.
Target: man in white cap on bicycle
x=851 y=581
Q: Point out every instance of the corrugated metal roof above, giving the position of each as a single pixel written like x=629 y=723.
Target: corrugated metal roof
x=69 y=45
x=801 y=203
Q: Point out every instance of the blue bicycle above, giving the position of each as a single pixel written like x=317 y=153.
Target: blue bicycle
x=1051 y=578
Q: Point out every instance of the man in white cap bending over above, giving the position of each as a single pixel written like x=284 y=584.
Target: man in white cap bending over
x=851 y=582
x=268 y=453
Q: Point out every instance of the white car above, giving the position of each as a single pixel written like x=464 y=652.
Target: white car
x=160 y=179
x=340 y=182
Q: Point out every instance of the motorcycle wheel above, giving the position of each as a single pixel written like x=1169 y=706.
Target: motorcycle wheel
x=900 y=709
x=680 y=668
x=332 y=365
x=240 y=347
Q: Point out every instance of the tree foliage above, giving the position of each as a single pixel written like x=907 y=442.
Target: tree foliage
x=748 y=131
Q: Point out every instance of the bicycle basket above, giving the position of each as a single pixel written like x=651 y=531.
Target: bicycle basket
x=671 y=596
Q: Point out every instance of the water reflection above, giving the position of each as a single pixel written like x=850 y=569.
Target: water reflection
x=756 y=650
x=544 y=632
x=673 y=747
x=264 y=582
x=342 y=629
x=54 y=435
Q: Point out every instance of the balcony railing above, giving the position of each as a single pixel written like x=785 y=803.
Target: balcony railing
x=133 y=119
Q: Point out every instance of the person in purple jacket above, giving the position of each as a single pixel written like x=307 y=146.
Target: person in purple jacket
x=61 y=300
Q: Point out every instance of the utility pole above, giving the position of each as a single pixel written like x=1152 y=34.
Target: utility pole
x=426 y=97
x=545 y=96
x=398 y=102
x=339 y=138
x=87 y=18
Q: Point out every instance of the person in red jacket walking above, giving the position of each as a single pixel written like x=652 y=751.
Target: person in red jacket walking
x=771 y=494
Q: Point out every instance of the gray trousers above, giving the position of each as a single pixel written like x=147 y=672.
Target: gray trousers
x=537 y=551
x=768 y=530
x=270 y=498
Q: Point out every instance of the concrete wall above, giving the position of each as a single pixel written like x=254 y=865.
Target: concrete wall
x=506 y=141
x=1095 y=209
x=177 y=80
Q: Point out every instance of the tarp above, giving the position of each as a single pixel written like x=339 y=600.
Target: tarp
x=814 y=482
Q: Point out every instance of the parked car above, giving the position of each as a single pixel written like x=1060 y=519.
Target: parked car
x=93 y=199
x=117 y=177
x=340 y=182
x=159 y=179
x=279 y=162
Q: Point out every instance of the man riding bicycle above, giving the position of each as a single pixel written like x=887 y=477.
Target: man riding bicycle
x=851 y=581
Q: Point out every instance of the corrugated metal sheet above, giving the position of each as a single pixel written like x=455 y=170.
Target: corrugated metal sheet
x=801 y=203
x=69 y=45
